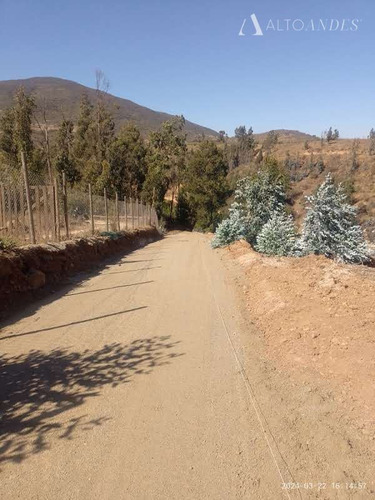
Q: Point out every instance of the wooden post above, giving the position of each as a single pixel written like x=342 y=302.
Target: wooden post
x=132 y=206
x=38 y=212
x=57 y=211
x=15 y=204
x=3 y=213
x=45 y=211
x=117 y=213
x=126 y=214
x=106 y=209
x=28 y=199
x=138 y=214
x=22 y=212
x=91 y=211
x=65 y=203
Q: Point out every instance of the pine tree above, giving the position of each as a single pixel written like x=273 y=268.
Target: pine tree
x=256 y=199
x=230 y=229
x=278 y=236
x=330 y=227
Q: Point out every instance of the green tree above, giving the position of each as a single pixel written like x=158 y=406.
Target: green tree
x=127 y=162
x=65 y=160
x=166 y=162
x=98 y=136
x=83 y=147
x=8 y=145
x=206 y=184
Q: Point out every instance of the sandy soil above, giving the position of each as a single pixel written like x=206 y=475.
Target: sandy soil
x=317 y=324
x=148 y=381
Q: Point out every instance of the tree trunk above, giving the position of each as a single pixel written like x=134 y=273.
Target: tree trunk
x=28 y=199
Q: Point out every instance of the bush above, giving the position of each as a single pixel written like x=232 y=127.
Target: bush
x=7 y=243
x=330 y=227
x=278 y=236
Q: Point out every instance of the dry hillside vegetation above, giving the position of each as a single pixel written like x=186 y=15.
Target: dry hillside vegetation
x=307 y=164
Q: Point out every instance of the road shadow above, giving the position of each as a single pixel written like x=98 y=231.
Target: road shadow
x=38 y=388
x=36 y=299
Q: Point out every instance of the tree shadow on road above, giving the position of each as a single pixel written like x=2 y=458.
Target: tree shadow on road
x=38 y=388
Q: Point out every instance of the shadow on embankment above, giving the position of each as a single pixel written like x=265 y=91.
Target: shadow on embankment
x=37 y=388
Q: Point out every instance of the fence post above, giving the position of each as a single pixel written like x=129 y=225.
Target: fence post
x=91 y=211
x=117 y=213
x=126 y=214
x=28 y=198
x=57 y=210
x=3 y=214
x=106 y=209
x=22 y=211
x=132 y=205
x=65 y=203
x=138 y=214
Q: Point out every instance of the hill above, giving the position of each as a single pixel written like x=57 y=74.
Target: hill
x=307 y=164
x=63 y=96
x=286 y=136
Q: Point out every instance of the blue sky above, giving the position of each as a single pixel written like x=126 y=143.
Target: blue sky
x=186 y=57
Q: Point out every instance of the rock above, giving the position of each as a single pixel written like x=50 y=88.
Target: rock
x=36 y=279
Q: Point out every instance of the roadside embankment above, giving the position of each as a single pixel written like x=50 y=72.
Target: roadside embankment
x=25 y=270
x=318 y=321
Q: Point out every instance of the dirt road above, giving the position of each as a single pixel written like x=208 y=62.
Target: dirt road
x=129 y=385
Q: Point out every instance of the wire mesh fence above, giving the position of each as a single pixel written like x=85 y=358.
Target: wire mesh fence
x=59 y=212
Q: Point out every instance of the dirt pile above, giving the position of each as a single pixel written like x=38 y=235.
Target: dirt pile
x=30 y=268
x=318 y=319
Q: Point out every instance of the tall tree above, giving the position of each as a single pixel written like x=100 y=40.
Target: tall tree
x=65 y=161
x=98 y=136
x=83 y=147
x=8 y=145
x=206 y=184
x=166 y=161
x=127 y=162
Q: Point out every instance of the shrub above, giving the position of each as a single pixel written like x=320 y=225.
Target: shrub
x=7 y=243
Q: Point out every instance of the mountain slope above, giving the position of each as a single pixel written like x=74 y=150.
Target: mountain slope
x=286 y=136
x=63 y=96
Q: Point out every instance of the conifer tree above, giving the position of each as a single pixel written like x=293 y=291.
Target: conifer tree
x=278 y=236
x=330 y=227
x=256 y=199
